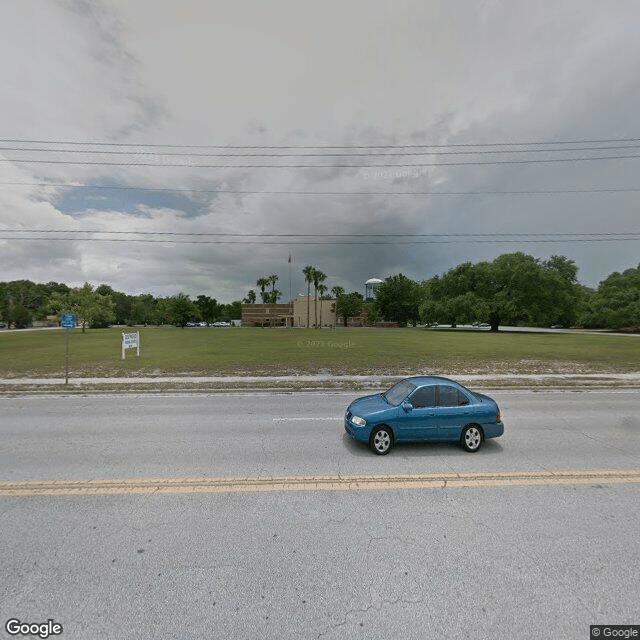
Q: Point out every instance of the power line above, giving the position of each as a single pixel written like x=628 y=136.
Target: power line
x=324 y=193
x=316 y=154
x=325 y=235
x=330 y=243
x=319 y=239
x=317 y=166
x=388 y=146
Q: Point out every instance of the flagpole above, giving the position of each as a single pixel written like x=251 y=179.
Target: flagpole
x=290 y=295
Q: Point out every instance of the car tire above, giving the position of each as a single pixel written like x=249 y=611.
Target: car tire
x=471 y=438
x=381 y=440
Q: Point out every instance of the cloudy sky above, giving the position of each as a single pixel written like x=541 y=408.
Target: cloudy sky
x=120 y=121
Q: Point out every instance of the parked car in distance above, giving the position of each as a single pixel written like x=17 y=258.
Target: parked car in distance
x=423 y=409
x=221 y=324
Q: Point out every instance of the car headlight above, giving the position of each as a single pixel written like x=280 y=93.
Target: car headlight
x=361 y=422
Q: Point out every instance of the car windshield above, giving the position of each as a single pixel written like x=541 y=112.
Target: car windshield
x=399 y=392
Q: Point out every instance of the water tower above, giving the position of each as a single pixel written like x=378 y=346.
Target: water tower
x=370 y=287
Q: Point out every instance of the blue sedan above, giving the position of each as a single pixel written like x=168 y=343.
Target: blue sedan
x=423 y=409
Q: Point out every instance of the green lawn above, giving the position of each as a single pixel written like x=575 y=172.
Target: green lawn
x=248 y=351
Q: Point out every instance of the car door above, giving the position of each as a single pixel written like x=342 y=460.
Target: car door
x=453 y=412
x=419 y=421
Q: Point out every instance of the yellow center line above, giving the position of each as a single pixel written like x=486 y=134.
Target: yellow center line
x=357 y=482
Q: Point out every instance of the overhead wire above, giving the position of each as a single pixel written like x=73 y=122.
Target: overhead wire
x=190 y=165
x=320 y=146
x=317 y=154
x=311 y=238
x=323 y=193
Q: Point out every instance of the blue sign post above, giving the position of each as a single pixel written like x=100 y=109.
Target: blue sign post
x=68 y=321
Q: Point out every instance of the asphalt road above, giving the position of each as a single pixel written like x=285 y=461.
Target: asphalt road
x=502 y=561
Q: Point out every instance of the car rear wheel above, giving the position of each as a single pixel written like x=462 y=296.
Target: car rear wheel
x=381 y=440
x=471 y=438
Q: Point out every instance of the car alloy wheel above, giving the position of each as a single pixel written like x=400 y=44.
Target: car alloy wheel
x=381 y=441
x=471 y=438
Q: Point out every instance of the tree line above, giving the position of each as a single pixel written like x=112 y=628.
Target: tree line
x=514 y=289
x=22 y=302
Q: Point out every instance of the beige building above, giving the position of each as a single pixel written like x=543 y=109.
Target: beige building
x=304 y=305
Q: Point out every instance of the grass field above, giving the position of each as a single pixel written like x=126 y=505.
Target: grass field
x=248 y=351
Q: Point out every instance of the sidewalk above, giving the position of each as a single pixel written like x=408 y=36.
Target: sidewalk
x=16 y=386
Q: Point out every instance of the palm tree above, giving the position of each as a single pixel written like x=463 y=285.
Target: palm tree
x=273 y=297
x=251 y=297
x=337 y=291
x=318 y=278
x=322 y=289
x=308 y=278
x=263 y=283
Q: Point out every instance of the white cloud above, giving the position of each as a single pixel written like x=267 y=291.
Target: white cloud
x=290 y=73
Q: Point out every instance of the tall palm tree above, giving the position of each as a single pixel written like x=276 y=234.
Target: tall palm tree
x=318 y=278
x=337 y=291
x=263 y=283
x=308 y=278
x=322 y=289
x=272 y=279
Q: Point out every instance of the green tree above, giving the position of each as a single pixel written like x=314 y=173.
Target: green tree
x=182 y=310
x=123 y=303
x=349 y=305
x=232 y=311
x=143 y=310
x=398 y=299
x=92 y=308
x=322 y=289
x=308 y=278
x=274 y=295
x=318 y=279
x=262 y=284
x=513 y=289
x=19 y=316
x=163 y=311
x=251 y=297
x=208 y=308
x=616 y=303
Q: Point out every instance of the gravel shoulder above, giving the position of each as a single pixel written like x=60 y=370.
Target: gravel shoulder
x=291 y=383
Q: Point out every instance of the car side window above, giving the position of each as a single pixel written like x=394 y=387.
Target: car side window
x=424 y=397
x=451 y=397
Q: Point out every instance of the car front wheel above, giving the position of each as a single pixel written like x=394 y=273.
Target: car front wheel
x=381 y=441
x=471 y=438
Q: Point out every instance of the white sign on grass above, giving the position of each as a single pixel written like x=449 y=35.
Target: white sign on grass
x=131 y=341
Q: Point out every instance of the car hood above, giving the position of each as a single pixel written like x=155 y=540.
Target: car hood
x=368 y=405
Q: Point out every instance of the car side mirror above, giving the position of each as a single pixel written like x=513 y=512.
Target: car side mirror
x=407 y=406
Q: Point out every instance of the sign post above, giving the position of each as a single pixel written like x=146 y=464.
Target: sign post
x=69 y=321
x=131 y=341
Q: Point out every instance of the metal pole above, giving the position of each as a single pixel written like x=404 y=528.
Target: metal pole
x=66 y=359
